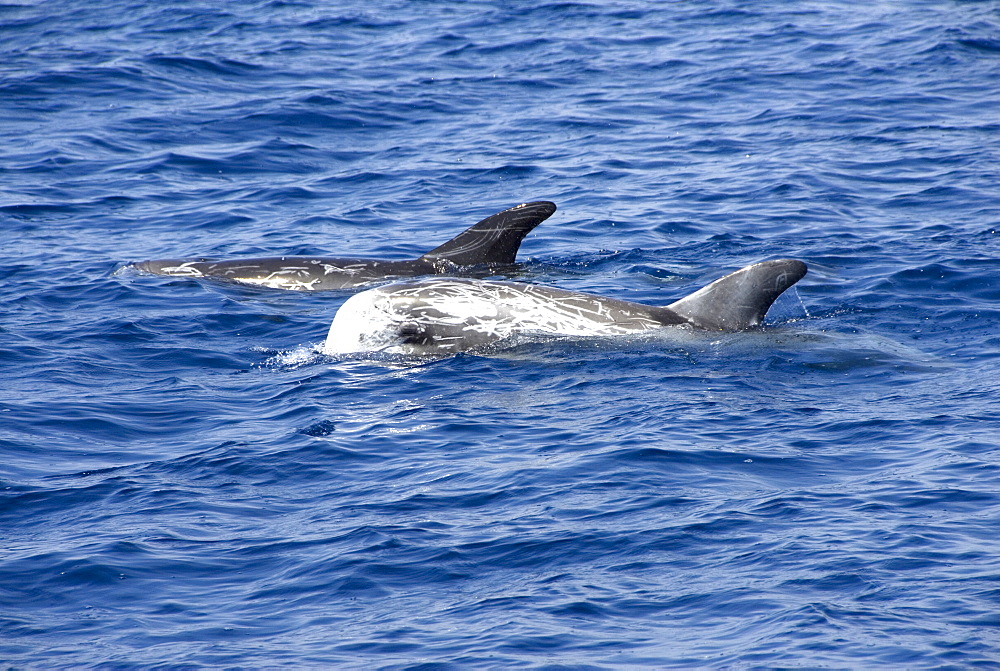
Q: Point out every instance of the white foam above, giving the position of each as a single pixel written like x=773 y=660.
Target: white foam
x=294 y=358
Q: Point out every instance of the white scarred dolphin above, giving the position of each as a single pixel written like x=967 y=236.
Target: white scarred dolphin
x=490 y=244
x=448 y=315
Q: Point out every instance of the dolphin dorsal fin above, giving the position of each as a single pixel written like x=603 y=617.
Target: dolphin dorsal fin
x=741 y=299
x=495 y=239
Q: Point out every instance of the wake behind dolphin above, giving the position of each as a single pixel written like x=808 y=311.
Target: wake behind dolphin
x=449 y=315
x=493 y=243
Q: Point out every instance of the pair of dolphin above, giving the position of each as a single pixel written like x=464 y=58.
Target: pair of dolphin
x=450 y=314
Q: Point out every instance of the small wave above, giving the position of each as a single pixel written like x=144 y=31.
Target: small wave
x=204 y=66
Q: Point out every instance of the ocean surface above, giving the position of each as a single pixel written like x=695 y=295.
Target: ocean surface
x=185 y=481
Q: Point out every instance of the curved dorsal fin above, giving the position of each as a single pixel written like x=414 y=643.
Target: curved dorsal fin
x=495 y=239
x=739 y=300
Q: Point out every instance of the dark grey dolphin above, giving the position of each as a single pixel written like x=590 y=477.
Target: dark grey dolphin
x=446 y=315
x=493 y=242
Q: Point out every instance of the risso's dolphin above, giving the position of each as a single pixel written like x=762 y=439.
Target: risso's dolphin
x=492 y=243
x=442 y=316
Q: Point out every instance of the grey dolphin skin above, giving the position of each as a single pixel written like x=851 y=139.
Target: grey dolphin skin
x=493 y=242
x=443 y=316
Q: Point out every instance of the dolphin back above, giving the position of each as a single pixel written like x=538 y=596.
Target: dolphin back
x=740 y=300
x=495 y=239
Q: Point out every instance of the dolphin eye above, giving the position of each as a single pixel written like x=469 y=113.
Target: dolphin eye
x=412 y=334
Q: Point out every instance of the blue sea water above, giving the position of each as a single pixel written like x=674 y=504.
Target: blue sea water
x=185 y=482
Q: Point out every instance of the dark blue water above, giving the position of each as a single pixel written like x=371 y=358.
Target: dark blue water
x=185 y=482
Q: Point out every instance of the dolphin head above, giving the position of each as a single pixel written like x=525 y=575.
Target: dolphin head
x=431 y=318
x=365 y=322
